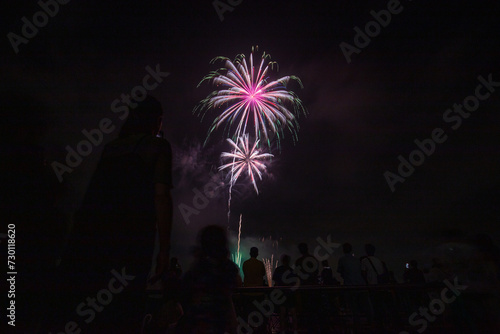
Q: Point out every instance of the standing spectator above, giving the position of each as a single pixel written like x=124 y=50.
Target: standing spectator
x=327 y=274
x=284 y=276
x=127 y=202
x=329 y=301
x=437 y=272
x=307 y=268
x=375 y=272
x=414 y=275
x=253 y=270
x=372 y=267
x=349 y=268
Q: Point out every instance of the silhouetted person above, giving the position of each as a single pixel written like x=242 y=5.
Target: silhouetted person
x=327 y=274
x=307 y=269
x=437 y=272
x=328 y=301
x=306 y=266
x=128 y=201
x=372 y=267
x=208 y=286
x=375 y=272
x=253 y=270
x=284 y=276
x=414 y=275
x=349 y=267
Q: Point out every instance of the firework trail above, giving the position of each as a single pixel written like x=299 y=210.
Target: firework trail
x=245 y=158
x=239 y=239
x=239 y=236
x=269 y=265
x=237 y=256
x=246 y=97
x=230 y=196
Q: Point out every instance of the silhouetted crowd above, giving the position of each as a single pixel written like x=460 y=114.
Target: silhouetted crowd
x=89 y=274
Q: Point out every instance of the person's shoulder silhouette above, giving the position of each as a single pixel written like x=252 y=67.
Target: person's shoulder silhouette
x=121 y=188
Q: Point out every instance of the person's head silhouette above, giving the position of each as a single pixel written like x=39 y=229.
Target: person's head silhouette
x=213 y=242
x=347 y=248
x=285 y=259
x=254 y=252
x=145 y=118
x=370 y=249
x=303 y=249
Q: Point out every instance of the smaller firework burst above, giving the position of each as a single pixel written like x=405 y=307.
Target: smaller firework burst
x=245 y=157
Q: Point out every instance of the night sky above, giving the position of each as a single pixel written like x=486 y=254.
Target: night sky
x=362 y=114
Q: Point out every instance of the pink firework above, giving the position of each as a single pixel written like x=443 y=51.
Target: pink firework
x=245 y=96
x=245 y=158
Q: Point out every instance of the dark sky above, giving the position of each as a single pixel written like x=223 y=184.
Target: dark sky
x=361 y=115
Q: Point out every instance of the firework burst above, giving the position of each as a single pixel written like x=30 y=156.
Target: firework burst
x=245 y=157
x=246 y=96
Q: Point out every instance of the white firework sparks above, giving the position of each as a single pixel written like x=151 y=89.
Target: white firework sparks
x=245 y=158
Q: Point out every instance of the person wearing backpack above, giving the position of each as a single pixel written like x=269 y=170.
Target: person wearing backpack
x=375 y=272
x=372 y=268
